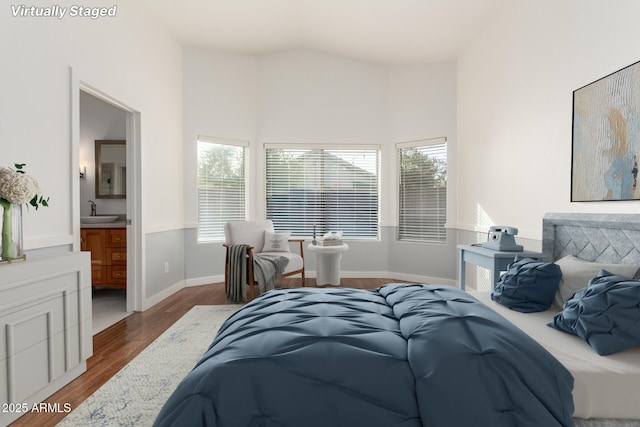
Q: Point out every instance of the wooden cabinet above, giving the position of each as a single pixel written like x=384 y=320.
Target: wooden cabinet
x=108 y=247
x=94 y=240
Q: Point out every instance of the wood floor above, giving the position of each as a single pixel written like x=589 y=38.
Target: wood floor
x=117 y=345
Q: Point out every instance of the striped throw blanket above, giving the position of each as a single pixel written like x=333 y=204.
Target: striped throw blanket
x=237 y=276
x=266 y=269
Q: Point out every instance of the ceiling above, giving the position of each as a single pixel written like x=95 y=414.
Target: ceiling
x=380 y=31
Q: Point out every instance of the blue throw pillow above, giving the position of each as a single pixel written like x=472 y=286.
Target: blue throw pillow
x=528 y=285
x=606 y=314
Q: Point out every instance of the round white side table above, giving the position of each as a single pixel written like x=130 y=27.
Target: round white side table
x=328 y=270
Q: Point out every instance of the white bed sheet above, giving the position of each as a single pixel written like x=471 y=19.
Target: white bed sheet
x=604 y=386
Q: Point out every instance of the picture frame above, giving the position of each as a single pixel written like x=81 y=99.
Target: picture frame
x=606 y=138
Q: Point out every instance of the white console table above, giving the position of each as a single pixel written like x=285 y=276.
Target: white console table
x=45 y=328
x=495 y=261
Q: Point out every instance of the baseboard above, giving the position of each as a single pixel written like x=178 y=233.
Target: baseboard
x=207 y=280
x=150 y=302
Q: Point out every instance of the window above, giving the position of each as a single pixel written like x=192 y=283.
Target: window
x=221 y=185
x=329 y=188
x=423 y=190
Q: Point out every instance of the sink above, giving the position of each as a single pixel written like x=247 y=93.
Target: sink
x=99 y=219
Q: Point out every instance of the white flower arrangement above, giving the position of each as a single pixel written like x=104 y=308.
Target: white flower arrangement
x=16 y=188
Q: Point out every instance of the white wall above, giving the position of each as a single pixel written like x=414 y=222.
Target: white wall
x=220 y=101
x=515 y=85
x=303 y=96
x=510 y=149
x=127 y=57
x=422 y=105
x=98 y=121
x=310 y=97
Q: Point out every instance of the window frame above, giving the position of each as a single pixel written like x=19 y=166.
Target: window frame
x=246 y=180
x=327 y=147
x=442 y=233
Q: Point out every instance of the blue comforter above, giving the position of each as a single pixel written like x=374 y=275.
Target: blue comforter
x=400 y=355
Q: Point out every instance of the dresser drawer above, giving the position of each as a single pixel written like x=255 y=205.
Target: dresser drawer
x=117 y=276
x=117 y=238
x=117 y=256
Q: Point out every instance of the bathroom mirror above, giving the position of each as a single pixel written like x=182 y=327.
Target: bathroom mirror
x=111 y=169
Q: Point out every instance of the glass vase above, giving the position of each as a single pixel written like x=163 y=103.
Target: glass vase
x=11 y=236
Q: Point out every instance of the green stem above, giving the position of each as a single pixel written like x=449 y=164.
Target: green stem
x=7 y=231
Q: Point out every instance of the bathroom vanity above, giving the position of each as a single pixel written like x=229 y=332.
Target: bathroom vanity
x=108 y=246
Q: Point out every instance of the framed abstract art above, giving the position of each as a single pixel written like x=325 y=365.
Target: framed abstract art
x=606 y=138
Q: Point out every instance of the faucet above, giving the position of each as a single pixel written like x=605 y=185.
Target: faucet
x=93 y=208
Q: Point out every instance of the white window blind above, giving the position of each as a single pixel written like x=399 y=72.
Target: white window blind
x=329 y=187
x=221 y=185
x=423 y=190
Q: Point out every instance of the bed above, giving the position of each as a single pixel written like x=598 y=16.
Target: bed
x=405 y=355
x=606 y=388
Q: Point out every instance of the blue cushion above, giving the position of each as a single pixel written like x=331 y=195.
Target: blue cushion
x=606 y=313
x=528 y=285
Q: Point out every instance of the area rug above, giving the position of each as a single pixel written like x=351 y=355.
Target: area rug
x=135 y=395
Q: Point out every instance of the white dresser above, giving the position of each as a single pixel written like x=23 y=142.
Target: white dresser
x=45 y=328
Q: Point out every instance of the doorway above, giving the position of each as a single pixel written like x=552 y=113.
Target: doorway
x=98 y=116
x=103 y=211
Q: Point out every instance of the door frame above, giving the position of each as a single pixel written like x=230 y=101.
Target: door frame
x=135 y=279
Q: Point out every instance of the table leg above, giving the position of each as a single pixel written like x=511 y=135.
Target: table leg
x=461 y=269
x=495 y=273
x=328 y=271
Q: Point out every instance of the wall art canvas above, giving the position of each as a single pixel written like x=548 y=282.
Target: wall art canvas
x=606 y=138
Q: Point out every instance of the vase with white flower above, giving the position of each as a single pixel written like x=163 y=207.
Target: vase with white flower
x=16 y=189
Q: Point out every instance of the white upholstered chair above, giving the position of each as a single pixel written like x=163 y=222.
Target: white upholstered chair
x=253 y=233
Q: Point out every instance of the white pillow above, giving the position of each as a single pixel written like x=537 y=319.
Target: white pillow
x=577 y=272
x=276 y=242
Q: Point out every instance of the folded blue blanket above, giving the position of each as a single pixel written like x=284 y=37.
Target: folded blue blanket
x=400 y=355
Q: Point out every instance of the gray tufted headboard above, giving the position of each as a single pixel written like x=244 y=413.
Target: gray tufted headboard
x=607 y=238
